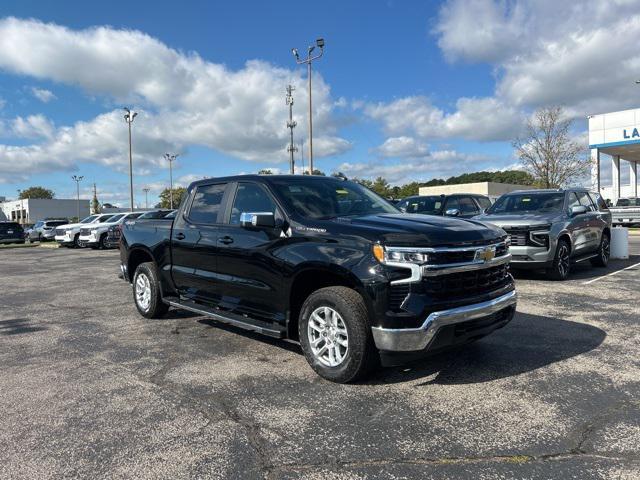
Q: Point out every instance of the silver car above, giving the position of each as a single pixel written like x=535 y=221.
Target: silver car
x=552 y=229
x=45 y=229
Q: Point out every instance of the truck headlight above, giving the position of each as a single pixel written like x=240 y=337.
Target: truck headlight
x=94 y=232
x=540 y=238
x=399 y=255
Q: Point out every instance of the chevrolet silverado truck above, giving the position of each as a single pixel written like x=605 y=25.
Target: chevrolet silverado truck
x=554 y=229
x=626 y=212
x=325 y=262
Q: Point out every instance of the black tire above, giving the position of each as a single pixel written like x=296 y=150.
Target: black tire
x=76 y=241
x=155 y=307
x=604 y=252
x=361 y=356
x=103 y=239
x=561 y=266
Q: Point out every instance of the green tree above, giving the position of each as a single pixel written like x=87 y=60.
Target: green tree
x=315 y=172
x=265 y=171
x=381 y=187
x=95 y=204
x=36 y=192
x=165 y=197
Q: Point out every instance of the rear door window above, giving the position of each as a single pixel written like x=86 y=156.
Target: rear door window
x=206 y=204
x=468 y=206
x=599 y=201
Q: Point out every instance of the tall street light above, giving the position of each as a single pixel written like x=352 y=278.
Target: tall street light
x=170 y=158
x=146 y=197
x=78 y=179
x=308 y=60
x=129 y=116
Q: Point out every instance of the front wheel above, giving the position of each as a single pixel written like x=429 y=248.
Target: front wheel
x=604 y=252
x=335 y=335
x=561 y=262
x=146 y=291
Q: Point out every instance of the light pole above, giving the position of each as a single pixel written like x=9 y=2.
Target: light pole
x=129 y=116
x=20 y=216
x=78 y=179
x=308 y=60
x=146 y=197
x=170 y=158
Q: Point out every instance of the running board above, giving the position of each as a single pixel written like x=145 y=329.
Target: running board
x=587 y=257
x=245 y=323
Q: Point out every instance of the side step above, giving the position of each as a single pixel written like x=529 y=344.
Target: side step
x=586 y=257
x=227 y=317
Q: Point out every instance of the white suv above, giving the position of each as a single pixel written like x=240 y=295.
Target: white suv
x=69 y=234
x=95 y=235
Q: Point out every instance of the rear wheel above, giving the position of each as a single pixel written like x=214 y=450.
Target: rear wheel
x=562 y=261
x=604 y=252
x=146 y=291
x=101 y=243
x=335 y=335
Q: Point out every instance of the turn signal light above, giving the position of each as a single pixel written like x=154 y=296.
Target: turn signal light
x=378 y=252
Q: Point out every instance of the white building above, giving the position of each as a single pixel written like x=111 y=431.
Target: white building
x=614 y=140
x=491 y=189
x=32 y=210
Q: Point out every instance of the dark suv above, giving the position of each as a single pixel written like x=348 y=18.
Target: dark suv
x=11 y=232
x=324 y=261
x=465 y=205
x=552 y=229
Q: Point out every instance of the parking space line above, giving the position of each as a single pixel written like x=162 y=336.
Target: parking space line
x=611 y=274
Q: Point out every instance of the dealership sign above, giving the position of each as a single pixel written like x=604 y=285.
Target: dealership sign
x=630 y=133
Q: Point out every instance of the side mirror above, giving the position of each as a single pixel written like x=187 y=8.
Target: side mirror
x=452 y=212
x=578 y=210
x=257 y=220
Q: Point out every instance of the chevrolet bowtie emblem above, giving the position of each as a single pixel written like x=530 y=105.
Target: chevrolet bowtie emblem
x=486 y=254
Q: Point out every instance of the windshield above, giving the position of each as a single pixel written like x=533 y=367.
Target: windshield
x=105 y=218
x=529 y=202
x=89 y=219
x=431 y=205
x=325 y=198
x=115 y=218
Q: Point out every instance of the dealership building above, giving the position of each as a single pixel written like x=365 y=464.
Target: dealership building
x=614 y=140
x=32 y=210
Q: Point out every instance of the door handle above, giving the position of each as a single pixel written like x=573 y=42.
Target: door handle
x=179 y=236
x=226 y=240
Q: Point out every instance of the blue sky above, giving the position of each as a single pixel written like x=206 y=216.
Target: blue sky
x=406 y=90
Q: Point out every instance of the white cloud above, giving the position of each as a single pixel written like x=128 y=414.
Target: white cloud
x=33 y=126
x=43 y=94
x=402 y=147
x=439 y=163
x=183 y=99
x=485 y=119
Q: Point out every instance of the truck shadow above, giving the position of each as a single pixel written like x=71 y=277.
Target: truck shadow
x=527 y=343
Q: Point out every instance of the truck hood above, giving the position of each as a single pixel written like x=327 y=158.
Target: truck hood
x=519 y=220
x=422 y=230
x=72 y=225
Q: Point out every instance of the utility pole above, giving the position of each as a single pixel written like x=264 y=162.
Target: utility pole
x=78 y=179
x=146 y=197
x=129 y=116
x=170 y=158
x=308 y=60
x=302 y=157
x=291 y=124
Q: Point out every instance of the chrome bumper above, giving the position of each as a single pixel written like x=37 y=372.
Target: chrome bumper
x=413 y=339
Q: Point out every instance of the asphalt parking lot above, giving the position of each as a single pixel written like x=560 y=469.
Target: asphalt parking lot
x=90 y=389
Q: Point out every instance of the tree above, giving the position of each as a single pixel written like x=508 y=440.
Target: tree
x=36 y=192
x=548 y=152
x=165 y=197
x=315 y=172
x=95 y=204
x=265 y=171
x=381 y=187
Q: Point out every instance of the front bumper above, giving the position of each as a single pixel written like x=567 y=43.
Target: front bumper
x=85 y=240
x=421 y=338
x=532 y=257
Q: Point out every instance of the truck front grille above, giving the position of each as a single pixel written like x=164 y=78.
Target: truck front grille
x=397 y=294
x=60 y=232
x=85 y=231
x=473 y=282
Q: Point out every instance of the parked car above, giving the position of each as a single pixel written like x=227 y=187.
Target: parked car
x=45 y=229
x=69 y=235
x=626 y=212
x=324 y=261
x=552 y=229
x=458 y=205
x=11 y=232
x=95 y=235
x=156 y=214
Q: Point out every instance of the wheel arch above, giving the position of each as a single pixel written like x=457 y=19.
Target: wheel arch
x=311 y=278
x=137 y=255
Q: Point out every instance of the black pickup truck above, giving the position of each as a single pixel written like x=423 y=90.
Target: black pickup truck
x=326 y=262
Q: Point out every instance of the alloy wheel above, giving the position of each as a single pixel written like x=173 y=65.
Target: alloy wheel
x=143 y=291
x=606 y=249
x=328 y=337
x=563 y=260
